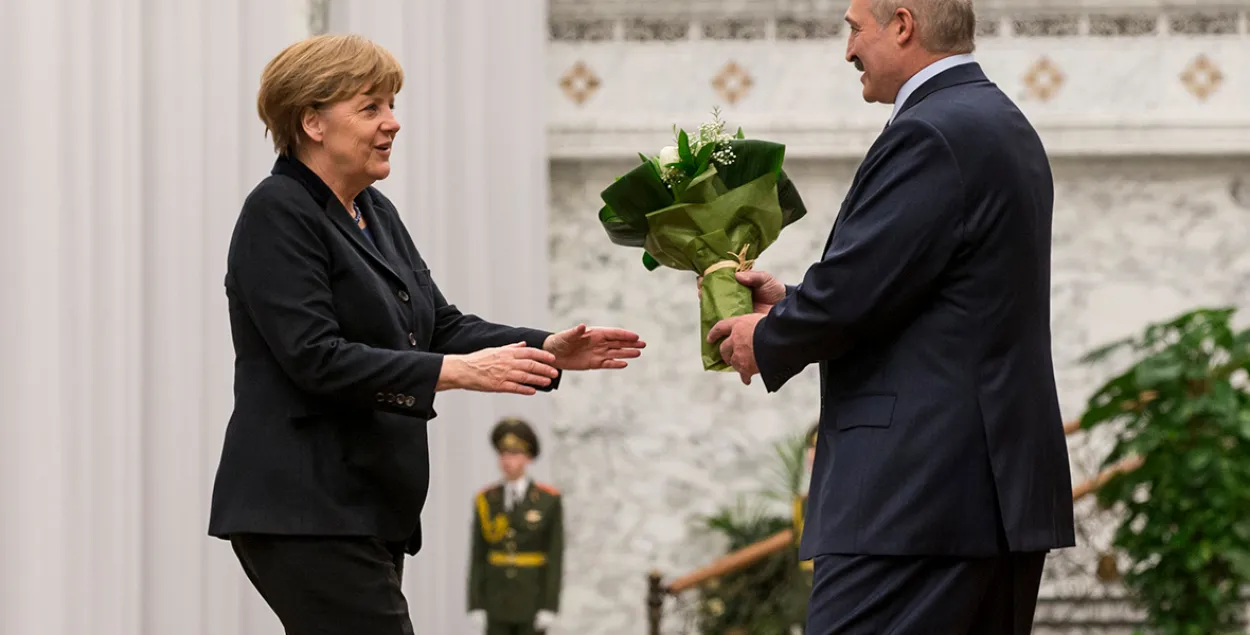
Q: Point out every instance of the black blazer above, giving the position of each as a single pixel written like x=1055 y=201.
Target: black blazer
x=929 y=312
x=338 y=346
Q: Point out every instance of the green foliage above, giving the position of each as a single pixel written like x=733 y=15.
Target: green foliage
x=1183 y=406
x=790 y=468
x=769 y=597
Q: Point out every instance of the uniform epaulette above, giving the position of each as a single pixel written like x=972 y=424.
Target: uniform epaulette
x=550 y=489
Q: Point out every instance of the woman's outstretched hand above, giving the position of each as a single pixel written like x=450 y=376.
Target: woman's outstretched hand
x=592 y=348
x=514 y=368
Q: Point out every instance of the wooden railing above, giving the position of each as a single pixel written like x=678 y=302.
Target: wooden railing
x=735 y=561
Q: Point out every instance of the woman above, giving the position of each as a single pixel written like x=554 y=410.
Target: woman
x=342 y=339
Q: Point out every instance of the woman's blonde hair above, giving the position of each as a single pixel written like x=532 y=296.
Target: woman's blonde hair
x=317 y=72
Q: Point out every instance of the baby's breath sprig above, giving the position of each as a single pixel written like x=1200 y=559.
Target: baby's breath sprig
x=714 y=133
x=691 y=154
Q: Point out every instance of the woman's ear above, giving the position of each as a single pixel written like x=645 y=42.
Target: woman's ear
x=313 y=124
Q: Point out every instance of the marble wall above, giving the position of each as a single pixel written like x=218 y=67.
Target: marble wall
x=1141 y=104
x=644 y=453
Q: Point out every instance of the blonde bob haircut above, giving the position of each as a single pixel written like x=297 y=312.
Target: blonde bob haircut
x=317 y=72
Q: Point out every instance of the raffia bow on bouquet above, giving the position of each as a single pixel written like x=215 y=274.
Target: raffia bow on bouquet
x=711 y=204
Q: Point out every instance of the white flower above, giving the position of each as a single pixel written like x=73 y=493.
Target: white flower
x=669 y=154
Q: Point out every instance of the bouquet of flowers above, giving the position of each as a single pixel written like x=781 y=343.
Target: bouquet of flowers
x=710 y=204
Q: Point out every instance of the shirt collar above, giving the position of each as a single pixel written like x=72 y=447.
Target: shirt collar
x=519 y=486
x=925 y=74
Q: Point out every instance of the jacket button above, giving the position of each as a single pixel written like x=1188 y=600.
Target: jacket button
x=382 y=397
x=409 y=400
x=412 y=339
x=403 y=295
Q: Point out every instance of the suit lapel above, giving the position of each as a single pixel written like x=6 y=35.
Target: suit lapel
x=343 y=221
x=962 y=74
x=379 y=226
x=321 y=193
x=954 y=76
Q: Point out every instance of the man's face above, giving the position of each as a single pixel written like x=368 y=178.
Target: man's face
x=513 y=464
x=876 y=51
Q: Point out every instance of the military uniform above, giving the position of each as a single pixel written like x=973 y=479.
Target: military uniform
x=517 y=555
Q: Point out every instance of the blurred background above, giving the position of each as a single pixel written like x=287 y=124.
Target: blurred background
x=125 y=122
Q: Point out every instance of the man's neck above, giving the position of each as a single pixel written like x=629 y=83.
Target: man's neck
x=921 y=61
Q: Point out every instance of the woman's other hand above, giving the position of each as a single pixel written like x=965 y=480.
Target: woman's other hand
x=582 y=348
x=514 y=368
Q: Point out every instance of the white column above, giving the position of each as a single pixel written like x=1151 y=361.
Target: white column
x=470 y=178
x=130 y=138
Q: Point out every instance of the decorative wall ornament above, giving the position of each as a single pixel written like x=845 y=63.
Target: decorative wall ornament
x=1043 y=79
x=735 y=29
x=1132 y=25
x=713 y=23
x=1046 y=26
x=808 y=29
x=732 y=83
x=1202 y=77
x=579 y=83
x=644 y=30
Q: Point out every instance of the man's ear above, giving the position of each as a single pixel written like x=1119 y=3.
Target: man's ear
x=905 y=25
x=313 y=124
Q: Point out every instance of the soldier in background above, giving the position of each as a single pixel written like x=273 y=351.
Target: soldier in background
x=800 y=501
x=518 y=542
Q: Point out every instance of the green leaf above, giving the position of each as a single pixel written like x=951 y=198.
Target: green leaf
x=619 y=231
x=752 y=159
x=704 y=157
x=740 y=135
x=683 y=148
x=649 y=262
x=1102 y=352
x=1162 y=369
x=636 y=194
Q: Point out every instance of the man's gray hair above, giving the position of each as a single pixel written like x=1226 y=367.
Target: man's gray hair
x=943 y=26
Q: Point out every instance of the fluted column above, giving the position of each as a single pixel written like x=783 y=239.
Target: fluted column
x=470 y=178
x=129 y=140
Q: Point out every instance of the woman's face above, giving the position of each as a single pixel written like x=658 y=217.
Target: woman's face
x=356 y=135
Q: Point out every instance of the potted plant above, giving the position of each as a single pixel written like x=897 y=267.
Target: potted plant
x=1181 y=417
x=770 y=596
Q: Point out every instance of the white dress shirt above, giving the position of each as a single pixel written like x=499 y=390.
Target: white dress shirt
x=925 y=74
x=514 y=491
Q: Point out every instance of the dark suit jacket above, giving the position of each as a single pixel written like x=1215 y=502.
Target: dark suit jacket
x=929 y=313
x=338 y=346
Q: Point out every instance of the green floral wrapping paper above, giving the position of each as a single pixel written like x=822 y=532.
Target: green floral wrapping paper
x=709 y=206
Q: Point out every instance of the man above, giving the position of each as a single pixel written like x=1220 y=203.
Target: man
x=941 y=477
x=518 y=542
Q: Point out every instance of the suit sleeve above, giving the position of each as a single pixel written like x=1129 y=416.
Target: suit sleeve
x=554 y=572
x=460 y=333
x=477 y=567
x=279 y=265
x=898 y=236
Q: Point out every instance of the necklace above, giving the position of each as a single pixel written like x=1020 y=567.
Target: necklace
x=357 y=216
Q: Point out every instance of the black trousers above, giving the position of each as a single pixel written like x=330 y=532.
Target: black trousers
x=881 y=595
x=328 y=586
